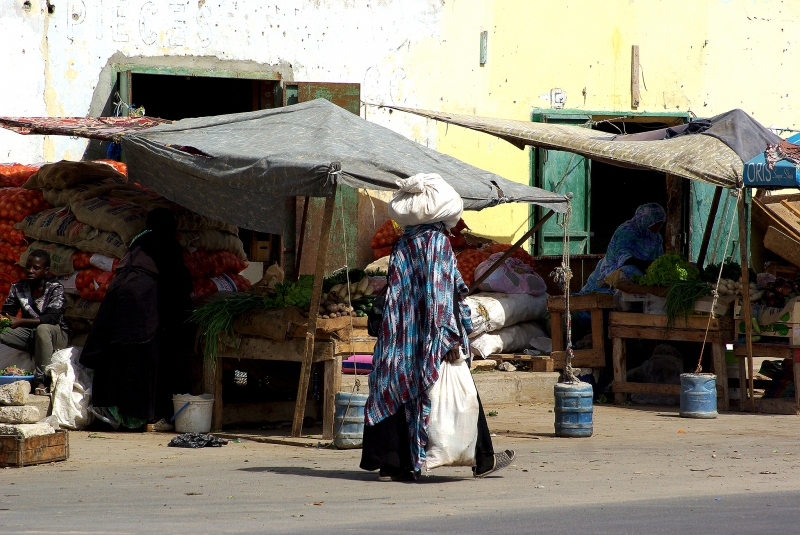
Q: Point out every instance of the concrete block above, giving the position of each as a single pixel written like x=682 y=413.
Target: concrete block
x=483 y=365
x=14 y=393
x=40 y=402
x=494 y=387
x=27 y=430
x=19 y=415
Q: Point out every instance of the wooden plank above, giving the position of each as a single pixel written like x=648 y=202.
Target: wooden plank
x=746 y=309
x=272 y=324
x=620 y=367
x=212 y=384
x=634 y=319
x=712 y=216
x=303 y=222
x=598 y=333
x=784 y=246
x=319 y=274
x=287 y=351
x=636 y=95
x=331 y=385
x=675 y=335
x=743 y=390
x=774 y=351
x=582 y=358
x=791 y=208
x=580 y=302
x=775 y=406
x=721 y=371
x=796 y=369
x=539 y=363
x=645 y=388
x=510 y=251
x=355 y=346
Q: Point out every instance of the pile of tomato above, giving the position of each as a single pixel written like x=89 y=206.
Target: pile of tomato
x=18 y=203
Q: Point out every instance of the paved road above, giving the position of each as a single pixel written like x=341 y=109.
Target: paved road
x=642 y=472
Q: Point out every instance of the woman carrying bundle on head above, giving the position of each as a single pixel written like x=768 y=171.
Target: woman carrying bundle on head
x=422 y=409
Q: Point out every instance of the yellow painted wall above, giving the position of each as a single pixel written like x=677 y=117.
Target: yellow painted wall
x=701 y=56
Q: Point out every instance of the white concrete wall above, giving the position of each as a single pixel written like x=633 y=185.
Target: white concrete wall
x=59 y=64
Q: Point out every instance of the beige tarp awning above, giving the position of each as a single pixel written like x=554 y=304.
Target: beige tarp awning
x=695 y=157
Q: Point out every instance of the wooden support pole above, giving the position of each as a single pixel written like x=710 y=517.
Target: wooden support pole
x=673 y=232
x=299 y=254
x=712 y=216
x=636 y=95
x=746 y=309
x=319 y=275
x=508 y=253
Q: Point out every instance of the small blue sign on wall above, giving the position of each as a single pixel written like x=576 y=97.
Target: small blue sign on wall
x=785 y=174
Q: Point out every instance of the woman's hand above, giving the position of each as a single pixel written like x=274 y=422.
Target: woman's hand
x=454 y=354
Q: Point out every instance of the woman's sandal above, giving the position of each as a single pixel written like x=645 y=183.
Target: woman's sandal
x=501 y=460
x=40 y=390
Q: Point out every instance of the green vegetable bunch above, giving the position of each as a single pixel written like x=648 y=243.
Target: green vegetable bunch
x=669 y=269
x=292 y=294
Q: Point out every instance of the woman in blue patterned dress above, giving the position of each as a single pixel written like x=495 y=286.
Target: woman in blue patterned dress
x=425 y=321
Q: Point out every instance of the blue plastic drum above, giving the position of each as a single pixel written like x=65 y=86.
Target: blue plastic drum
x=573 y=409
x=348 y=420
x=698 y=395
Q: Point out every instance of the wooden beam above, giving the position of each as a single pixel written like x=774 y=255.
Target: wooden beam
x=674 y=223
x=784 y=246
x=319 y=275
x=712 y=216
x=636 y=95
x=746 y=309
x=299 y=254
x=508 y=253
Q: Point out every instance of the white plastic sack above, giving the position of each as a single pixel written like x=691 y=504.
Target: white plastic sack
x=513 y=277
x=425 y=198
x=72 y=389
x=493 y=311
x=513 y=339
x=453 y=427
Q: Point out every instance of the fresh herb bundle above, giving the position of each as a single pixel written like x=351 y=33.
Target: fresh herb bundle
x=681 y=298
x=669 y=269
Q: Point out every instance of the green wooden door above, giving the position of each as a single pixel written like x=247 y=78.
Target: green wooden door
x=700 y=195
x=563 y=172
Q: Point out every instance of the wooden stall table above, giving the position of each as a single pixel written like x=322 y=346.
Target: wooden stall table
x=623 y=325
x=584 y=358
x=280 y=335
x=768 y=405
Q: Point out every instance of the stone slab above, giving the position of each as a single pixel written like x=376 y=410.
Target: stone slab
x=19 y=415
x=14 y=393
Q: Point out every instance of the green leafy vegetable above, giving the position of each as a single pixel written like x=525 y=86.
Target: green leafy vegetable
x=292 y=294
x=669 y=269
x=682 y=297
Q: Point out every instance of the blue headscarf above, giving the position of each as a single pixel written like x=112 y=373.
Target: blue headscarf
x=632 y=239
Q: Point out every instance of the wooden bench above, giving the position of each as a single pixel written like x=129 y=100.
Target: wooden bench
x=624 y=325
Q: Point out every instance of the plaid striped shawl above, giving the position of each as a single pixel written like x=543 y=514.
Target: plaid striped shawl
x=419 y=328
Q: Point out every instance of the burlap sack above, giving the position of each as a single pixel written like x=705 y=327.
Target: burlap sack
x=88 y=190
x=186 y=219
x=66 y=174
x=60 y=257
x=212 y=240
x=112 y=215
x=82 y=310
x=57 y=225
x=107 y=243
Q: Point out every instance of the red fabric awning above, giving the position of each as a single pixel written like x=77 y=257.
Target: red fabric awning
x=100 y=128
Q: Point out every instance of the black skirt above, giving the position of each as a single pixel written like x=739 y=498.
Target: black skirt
x=386 y=446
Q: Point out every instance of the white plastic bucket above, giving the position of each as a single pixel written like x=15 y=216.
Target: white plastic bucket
x=196 y=418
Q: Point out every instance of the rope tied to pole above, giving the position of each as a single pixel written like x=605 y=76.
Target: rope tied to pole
x=562 y=276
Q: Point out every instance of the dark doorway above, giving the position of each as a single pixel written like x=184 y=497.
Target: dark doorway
x=617 y=192
x=181 y=97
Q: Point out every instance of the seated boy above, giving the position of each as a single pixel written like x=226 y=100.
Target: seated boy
x=42 y=329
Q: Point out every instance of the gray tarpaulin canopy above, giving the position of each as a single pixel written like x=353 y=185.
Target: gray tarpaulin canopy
x=711 y=150
x=240 y=168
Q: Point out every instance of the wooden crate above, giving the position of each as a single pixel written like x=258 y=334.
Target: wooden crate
x=787 y=328
x=18 y=451
x=539 y=363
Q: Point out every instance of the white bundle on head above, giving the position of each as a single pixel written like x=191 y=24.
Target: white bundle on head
x=423 y=199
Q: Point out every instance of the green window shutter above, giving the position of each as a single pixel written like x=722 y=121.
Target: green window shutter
x=563 y=172
x=700 y=195
x=346 y=95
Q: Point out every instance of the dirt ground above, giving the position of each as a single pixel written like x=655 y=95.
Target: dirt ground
x=134 y=483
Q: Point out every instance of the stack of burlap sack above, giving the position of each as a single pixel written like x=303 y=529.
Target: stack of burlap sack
x=85 y=214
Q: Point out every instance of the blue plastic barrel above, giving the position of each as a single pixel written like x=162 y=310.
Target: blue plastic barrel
x=573 y=409
x=698 y=395
x=348 y=420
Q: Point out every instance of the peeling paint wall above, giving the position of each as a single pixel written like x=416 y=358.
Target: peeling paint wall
x=704 y=56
